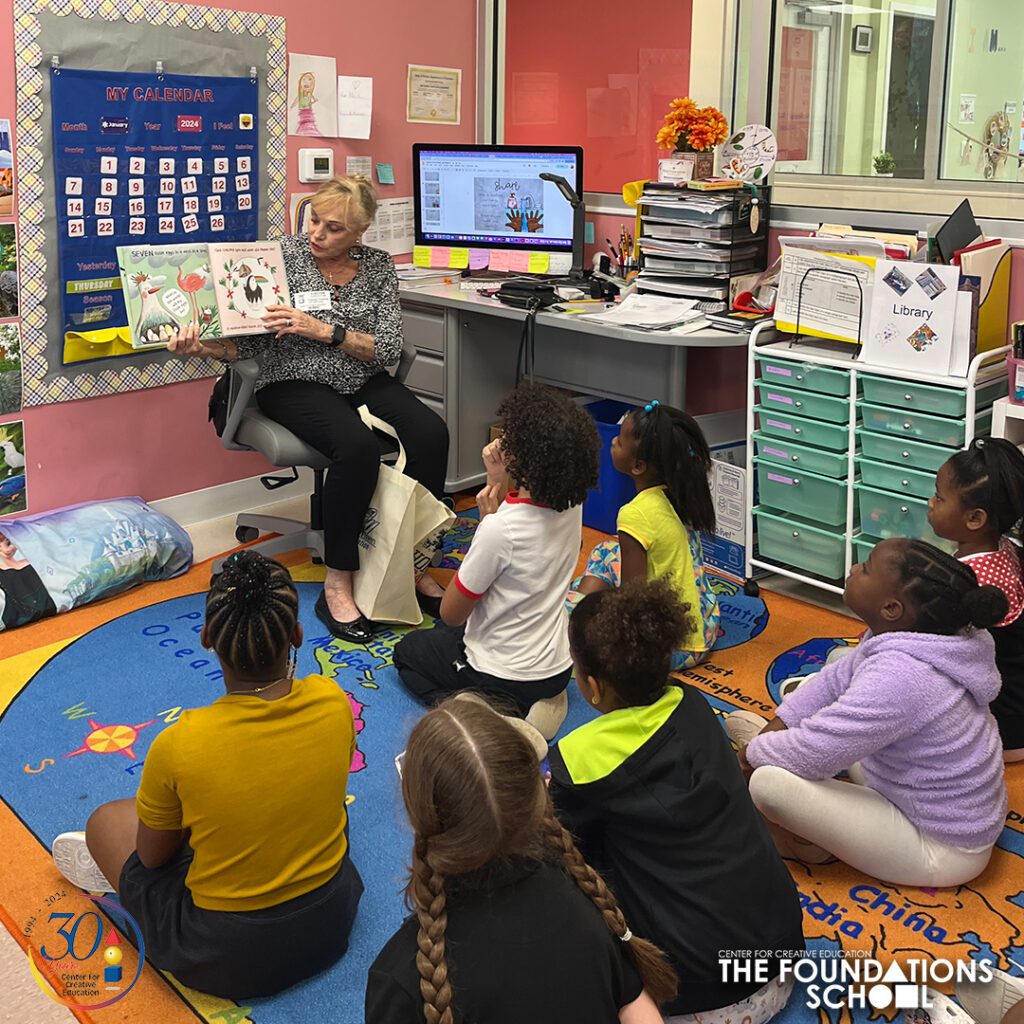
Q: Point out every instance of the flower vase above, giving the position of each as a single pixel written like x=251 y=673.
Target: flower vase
x=703 y=161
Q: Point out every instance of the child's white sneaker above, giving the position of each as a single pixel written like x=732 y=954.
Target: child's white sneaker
x=547 y=715
x=988 y=1001
x=75 y=863
x=530 y=733
x=743 y=726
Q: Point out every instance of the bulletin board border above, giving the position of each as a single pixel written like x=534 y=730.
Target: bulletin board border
x=33 y=123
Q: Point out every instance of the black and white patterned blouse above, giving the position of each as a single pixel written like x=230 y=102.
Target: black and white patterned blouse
x=368 y=303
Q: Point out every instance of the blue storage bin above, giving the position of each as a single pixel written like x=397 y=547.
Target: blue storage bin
x=614 y=489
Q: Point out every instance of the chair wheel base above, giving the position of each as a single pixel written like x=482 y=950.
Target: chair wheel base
x=751 y=588
x=246 y=534
x=317 y=560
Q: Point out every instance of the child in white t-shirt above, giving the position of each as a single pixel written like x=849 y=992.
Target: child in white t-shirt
x=505 y=629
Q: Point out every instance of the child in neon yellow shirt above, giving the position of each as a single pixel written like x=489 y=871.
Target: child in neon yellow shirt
x=664 y=451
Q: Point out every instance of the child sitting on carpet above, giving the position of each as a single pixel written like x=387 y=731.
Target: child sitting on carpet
x=505 y=629
x=906 y=714
x=979 y=499
x=665 y=453
x=509 y=921
x=652 y=792
x=233 y=857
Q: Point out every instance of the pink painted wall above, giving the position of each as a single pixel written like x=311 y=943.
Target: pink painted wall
x=157 y=443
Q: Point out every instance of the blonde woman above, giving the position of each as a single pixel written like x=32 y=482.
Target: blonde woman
x=320 y=365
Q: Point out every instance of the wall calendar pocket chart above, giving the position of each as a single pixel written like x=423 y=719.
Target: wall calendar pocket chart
x=144 y=159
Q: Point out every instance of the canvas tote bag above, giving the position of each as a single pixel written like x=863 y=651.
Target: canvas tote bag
x=401 y=532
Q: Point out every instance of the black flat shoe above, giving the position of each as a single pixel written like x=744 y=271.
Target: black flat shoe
x=358 y=631
x=430 y=605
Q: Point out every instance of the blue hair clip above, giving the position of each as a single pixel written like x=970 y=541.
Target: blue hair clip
x=651 y=406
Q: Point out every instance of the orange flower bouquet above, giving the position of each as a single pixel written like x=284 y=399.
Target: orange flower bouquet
x=690 y=127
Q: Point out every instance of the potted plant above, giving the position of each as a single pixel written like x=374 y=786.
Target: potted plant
x=690 y=128
x=885 y=165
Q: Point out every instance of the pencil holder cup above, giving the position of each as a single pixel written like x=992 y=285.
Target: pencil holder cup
x=1015 y=372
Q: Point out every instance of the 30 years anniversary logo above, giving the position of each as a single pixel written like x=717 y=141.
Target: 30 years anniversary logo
x=75 y=954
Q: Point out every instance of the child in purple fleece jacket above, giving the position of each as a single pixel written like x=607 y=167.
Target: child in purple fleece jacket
x=906 y=714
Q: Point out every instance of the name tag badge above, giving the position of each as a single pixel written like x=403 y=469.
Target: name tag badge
x=310 y=302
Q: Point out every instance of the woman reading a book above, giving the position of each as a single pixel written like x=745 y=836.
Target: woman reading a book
x=321 y=362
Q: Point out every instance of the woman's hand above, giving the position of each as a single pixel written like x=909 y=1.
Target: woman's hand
x=186 y=343
x=283 y=320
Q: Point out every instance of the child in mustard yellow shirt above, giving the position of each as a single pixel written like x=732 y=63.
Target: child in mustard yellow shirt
x=664 y=451
x=233 y=857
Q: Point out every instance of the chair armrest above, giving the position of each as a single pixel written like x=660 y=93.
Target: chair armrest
x=241 y=388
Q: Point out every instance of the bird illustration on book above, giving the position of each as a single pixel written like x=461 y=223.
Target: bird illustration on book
x=153 y=324
x=191 y=283
x=251 y=283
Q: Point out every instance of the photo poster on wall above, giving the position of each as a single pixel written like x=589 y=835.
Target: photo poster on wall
x=312 y=95
x=6 y=168
x=10 y=368
x=143 y=158
x=13 y=479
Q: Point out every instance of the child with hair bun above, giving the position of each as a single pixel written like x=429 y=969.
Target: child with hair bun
x=978 y=501
x=906 y=714
x=509 y=922
x=654 y=797
x=664 y=452
x=233 y=857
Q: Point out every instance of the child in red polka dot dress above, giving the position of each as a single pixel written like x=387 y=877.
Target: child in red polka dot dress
x=978 y=501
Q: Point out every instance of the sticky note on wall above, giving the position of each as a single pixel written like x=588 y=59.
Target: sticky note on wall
x=458 y=258
x=421 y=255
x=440 y=256
x=588 y=232
x=479 y=258
x=538 y=263
x=500 y=259
x=519 y=262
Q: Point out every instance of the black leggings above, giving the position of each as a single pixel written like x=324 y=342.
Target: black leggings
x=327 y=421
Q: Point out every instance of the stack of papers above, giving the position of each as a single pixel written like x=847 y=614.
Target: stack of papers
x=651 y=312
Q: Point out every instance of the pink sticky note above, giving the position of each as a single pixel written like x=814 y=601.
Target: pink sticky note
x=478 y=258
x=440 y=256
x=500 y=259
x=519 y=262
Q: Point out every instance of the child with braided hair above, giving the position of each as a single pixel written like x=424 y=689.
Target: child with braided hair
x=652 y=792
x=906 y=715
x=509 y=923
x=978 y=501
x=233 y=857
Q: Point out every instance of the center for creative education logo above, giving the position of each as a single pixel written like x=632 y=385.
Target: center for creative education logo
x=837 y=979
x=76 y=956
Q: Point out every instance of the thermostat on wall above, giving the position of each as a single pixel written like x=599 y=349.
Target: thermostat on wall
x=316 y=164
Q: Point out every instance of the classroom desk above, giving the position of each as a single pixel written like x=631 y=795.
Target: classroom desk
x=466 y=348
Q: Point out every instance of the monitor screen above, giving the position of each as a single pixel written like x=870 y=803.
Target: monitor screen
x=492 y=197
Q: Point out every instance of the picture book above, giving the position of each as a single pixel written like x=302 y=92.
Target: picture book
x=247 y=277
x=166 y=289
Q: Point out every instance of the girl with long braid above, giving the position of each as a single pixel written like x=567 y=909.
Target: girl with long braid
x=906 y=715
x=233 y=857
x=509 y=922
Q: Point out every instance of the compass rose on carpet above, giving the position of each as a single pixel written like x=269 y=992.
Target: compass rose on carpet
x=110 y=739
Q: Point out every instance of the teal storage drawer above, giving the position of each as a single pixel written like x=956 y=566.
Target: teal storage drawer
x=914 y=424
x=814 y=497
x=926 y=458
x=900 y=479
x=862 y=545
x=793 y=541
x=797 y=428
x=925 y=398
x=888 y=515
x=806 y=376
x=802 y=456
x=803 y=403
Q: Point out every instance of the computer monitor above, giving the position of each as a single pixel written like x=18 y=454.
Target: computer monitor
x=492 y=197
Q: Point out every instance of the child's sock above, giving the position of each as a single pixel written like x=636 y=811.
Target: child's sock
x=75 y=863
x=743 y=726
x=529 y=732
x=547 y=715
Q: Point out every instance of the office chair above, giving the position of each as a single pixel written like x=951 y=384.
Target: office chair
x=247 y=429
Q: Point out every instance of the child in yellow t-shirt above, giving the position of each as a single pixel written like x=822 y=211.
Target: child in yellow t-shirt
x=664 y=451
x=233 y=857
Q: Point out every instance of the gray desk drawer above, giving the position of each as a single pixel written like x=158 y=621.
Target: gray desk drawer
x=424 y=328
x=426 y=375
x=433 y=403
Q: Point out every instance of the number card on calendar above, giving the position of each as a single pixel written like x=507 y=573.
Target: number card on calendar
x=140 y=160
